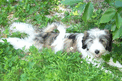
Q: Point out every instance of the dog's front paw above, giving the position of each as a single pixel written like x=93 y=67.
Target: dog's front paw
x=120 y=69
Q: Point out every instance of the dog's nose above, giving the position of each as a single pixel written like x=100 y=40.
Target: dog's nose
x=97 y=51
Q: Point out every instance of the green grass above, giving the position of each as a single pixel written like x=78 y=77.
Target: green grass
x=45 y=65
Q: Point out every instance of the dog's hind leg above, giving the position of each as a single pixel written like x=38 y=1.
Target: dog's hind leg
x=59 y=42
x=50 y=27
x=54 y=25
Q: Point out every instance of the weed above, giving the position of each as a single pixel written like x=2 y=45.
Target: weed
x=44 y=65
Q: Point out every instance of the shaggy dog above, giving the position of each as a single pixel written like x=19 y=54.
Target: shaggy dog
x=91 y=44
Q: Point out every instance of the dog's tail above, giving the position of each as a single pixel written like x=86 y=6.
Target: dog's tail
x=22 y=28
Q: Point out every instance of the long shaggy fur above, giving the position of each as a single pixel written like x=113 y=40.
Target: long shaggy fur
x=91 y=44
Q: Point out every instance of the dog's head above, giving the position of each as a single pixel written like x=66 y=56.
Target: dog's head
x=97 y=41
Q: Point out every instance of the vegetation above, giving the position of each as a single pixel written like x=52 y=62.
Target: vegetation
x=19 y=65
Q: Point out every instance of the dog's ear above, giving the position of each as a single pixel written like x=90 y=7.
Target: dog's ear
x=109 y=45
x=84 y=46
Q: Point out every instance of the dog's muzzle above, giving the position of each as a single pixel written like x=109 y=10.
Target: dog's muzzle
x=97 y=52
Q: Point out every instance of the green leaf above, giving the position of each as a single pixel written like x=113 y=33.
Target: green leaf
x=119 y=10
x=118 y=3
x=118 y=20
x=108 y=1
x=118 y=33
x=70 y=2
x=106 y=57
x=108 y=15
x=113 y=27
x=1 y=51
x=114 y=60
x=88 y=12
x=81 y=8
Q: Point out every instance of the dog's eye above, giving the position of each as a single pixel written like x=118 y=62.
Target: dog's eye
x=101 y=40
x=91 y=40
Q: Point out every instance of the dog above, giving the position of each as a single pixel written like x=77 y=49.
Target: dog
x=92 y=44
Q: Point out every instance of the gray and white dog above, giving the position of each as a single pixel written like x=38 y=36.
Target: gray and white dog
x=91 y=44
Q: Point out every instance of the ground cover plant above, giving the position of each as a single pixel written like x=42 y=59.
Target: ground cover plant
x=35 y=65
